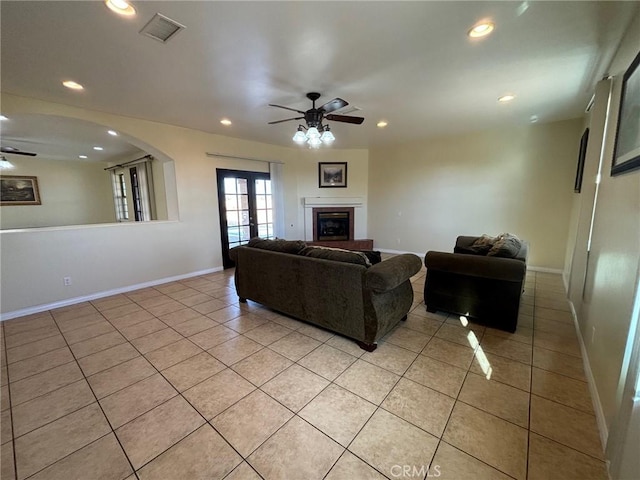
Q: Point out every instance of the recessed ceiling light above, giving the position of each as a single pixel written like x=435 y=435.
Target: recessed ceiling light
x=112 y=133
x=72 y=85
x=506 y=98
x=82 y=156
x=98 y=148
x=382 y=124
x=225 y=121
x=2 y=118
x=481 y=30
x=121 y=7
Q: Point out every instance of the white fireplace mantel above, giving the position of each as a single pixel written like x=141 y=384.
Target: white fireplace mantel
x=310 y=203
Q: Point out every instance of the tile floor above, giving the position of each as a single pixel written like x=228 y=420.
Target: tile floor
x=180 y=381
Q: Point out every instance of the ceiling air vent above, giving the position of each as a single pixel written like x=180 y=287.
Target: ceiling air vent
x=161 y=28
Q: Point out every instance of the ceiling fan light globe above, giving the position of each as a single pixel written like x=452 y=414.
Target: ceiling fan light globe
x=327 y=137
x=300 y=137
x=314 y=142
x=313 y=133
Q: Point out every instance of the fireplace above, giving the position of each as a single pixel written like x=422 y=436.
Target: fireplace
x=333 y=224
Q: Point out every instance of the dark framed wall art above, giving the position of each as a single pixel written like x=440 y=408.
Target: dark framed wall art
x=626 y=155
x=19 y=190
x=332 y=175
x=577 y=187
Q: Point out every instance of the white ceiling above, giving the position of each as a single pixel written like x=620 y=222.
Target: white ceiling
x=409 y=63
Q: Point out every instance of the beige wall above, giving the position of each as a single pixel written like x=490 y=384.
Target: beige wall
x=517 y=180
x=604 y=309
x=71 y=193
x=114 y=256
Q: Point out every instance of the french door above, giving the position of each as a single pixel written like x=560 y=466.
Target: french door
x=246 y=208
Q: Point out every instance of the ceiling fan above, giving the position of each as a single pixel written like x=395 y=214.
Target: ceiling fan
x=16 y=151
x=314 y=117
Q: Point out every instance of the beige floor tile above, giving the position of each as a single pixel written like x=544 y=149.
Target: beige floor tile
x=347 y=345
x=567 y=345
x=102 y=459
x=548 y=459
x=165 y=308
x=49 y=407
x=407 y=338
x=155 y=340
x=169 y=355
x=143 y=328
x=301 y=450
x=490 y=439
x=131 y=402
x=368 y=381
x=108 y=358
x=565 y=425
x=21 y=325
x=153 y=301
x=73 y=311
x=245 y=322
x=225 y=314
x=121 y=376
x=6 y=428
x=122 y=311
x=130 y=319
x=289 y=322
x=449 y=463
x=312 y=331
x=42 y=447
x=196 y=325
x=202 y=455
x=24 y=338
x=7 y=466
x=553 y=303
x=195 y=299
x=425 y=325
x=4 y=374
x=390 y=357
x=97 y=344
x=216 y=394
x=45 y=382
x=295 y=387
x=85 y=333
x=243 y=472
x=41 y=363
x=35 y=348
x=213 y=336
x=67 y=326
x=421 y=406
x=252 y=420
x=209 y=307
x=522 y=334
x=294 y=346
x=449 y=352
x=501 y=400
x=551 y=314
x=558 y=363
x=507 y=348
x=192 y=371
x=327 y=361
x=437 y=375
x=111 y=302
x=154 y=432
x=387 y=441
x=234 y=350
x=349 y=466
x=262 y=366
x=551 y=326
x=179 y=316
x=268 y=333
x=559 y=388
x=460 y=335
x=338 y=413
x=502 y=369
x=4 y=398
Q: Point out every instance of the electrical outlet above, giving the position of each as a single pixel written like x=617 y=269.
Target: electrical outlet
x=66 y=281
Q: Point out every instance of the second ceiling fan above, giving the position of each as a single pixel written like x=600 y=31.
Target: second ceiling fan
x=316 y=132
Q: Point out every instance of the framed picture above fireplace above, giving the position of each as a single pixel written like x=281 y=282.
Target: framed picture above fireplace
x=332 y=175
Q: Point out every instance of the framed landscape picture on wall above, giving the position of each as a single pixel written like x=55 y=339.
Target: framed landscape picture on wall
x=332 y=175
x=626 y=155
x=19 y=190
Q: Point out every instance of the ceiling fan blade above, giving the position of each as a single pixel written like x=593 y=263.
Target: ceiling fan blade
x=286 y=108
x=285 y=120
x=332 y=105
x=345 y=119
x=15 y=151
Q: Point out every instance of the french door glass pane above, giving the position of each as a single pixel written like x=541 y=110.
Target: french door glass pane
x=242 y=185
x=231 y=202
x=229 y=185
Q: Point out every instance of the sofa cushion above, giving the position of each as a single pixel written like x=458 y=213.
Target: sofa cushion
x=483 y=244
x=373 y=256
x=507 y=245
x=278 y=245
x=336 y=254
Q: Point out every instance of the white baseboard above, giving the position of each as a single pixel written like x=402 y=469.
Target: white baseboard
x=107 y=293
x=595 y=398
x=533 y=268
x=399 y=252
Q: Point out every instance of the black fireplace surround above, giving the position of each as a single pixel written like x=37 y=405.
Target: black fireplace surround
x=332 y=225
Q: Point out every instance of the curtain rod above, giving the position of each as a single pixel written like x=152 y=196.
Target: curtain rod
x=146 y=157
x=209 y=154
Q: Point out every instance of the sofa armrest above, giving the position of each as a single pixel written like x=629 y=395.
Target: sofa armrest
x=497 y=268
x=390 y=273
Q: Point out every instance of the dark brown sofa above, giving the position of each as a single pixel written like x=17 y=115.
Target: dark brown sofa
x=485 y=288
x=360 y=302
